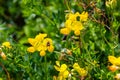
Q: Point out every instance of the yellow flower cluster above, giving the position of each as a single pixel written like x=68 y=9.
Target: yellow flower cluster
x=63 y=72
x=6 y=44
x=81 y=71
x=115 y=63
x=74 y=23
x=40 y=43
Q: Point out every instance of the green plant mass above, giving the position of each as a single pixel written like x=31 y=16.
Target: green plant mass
x=59 y=40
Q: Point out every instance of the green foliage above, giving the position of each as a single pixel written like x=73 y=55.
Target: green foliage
x=23 y=19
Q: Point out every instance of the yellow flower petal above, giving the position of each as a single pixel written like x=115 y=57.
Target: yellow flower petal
x=31 y=41
x=76 y=66
x=77 y=32
x=82 y=72
x=50 y=48
x=31 y=49
x=47 y=42
x=57 y=68
x=65 y=74
x=63 y=67
x=42 y=48
x=40 y=37
x=65 y=31
x=42 y=53
x=57 y=63
x=112 y=59
x=84 y=16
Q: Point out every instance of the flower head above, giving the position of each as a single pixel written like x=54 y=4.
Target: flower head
x=81 y=71
x=6 y=44
x=41 y=43
x=114 y=60
x=63 y=72
x=49 y=44
x=84 y=16
x=42 y=53
x=74 y=23
x=65 y=31
x=31 y=49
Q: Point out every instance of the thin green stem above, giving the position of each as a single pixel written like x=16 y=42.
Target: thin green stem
x=80 y=44
x=46 y=68
x=68 y=5
x=43 y=15
x=83 y=43
x=67 y=41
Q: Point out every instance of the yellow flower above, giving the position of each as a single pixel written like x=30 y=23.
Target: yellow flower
x=37 y=41
x=65 y=31
x=49 y=44
x=57 y=63
x=76 y=66
x=63 y=72
x=63 y=75
x=71 y=17
x=114 y=60
x=42 y=47
x=50 y=48
x=84 y=16
x=42 y=53
x=40 y=37
x=74 y=23
x=81 y=71
x=31 y=49
x=77 y=32
x=6 y=44
x=68 y=24
x=31 y=41
x=77 y=26
x=61 y=68
x=40 y=43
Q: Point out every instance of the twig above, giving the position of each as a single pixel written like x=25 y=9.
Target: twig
x=8 y=76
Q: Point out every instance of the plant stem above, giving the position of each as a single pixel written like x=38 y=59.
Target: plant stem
x=46 y=68
x=67 y=5
x=8 y=75
x=80 y=44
